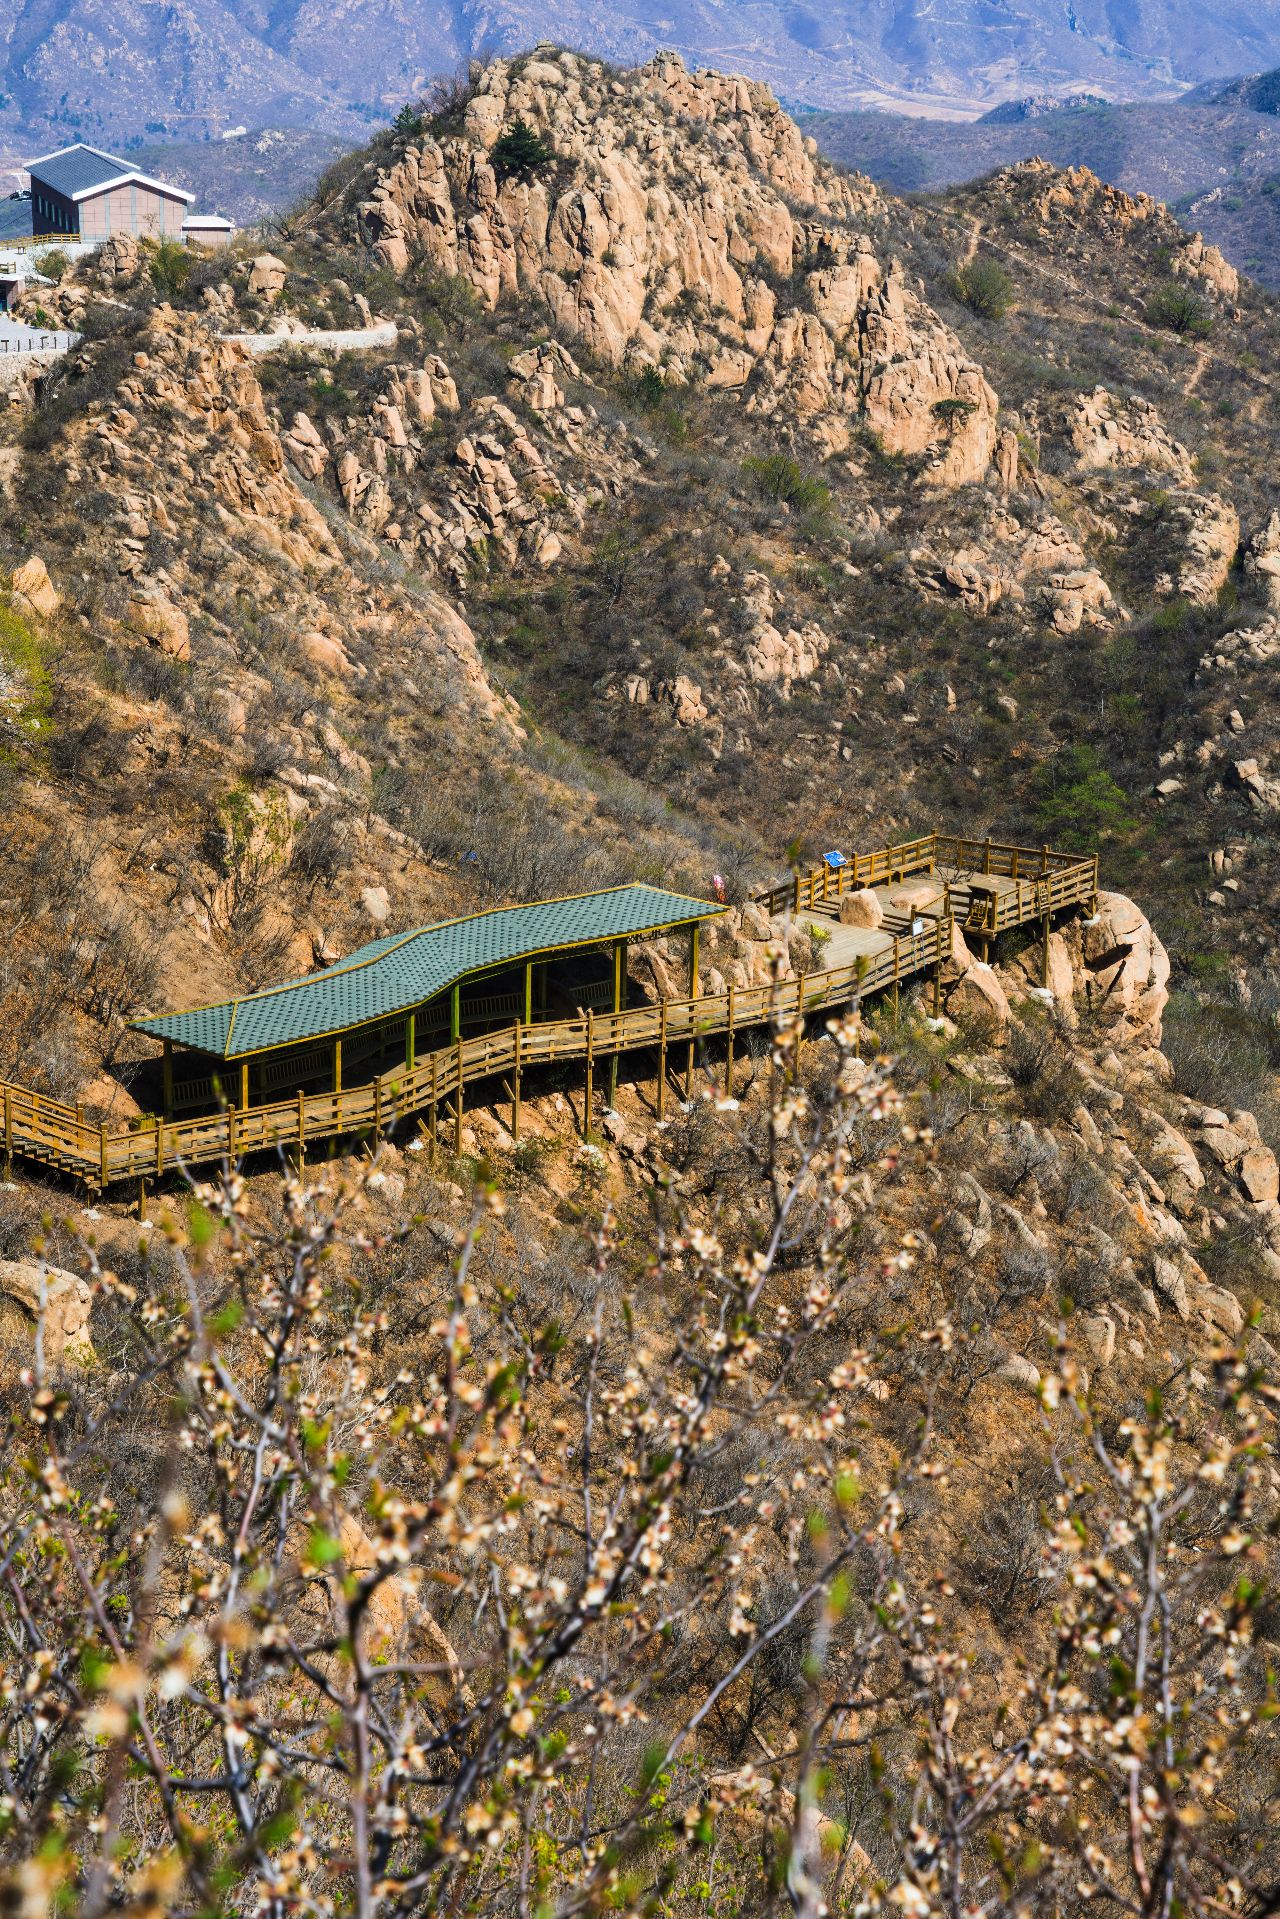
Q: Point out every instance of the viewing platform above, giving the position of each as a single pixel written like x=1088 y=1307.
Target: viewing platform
x=425 y=1015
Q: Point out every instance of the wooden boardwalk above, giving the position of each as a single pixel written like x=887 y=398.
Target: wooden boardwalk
x=926 y=886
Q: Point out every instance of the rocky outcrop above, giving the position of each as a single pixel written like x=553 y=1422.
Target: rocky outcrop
x=1207 y=528
x=1262 y=559
x=1018 y=553
x=1196 y=261
x=191 y=404
x=1125 y=971
x=33 y=589
x=1107 y=432
x=62 y=1298
x=674 y=200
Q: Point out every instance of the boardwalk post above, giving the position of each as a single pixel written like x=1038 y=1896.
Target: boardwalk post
x=166 y=1069
x=8 y=1132
x=231 y=1136
x=457 y=1108
x=433 y=1107
x=102 y=1157
x=896 y=964
x=142 y=1198
x=377 y=1107
x=302 y=1129
x=586 y=1102
x=728 y=1057
x=515 y=1089
x=1044 y=954
x=799 y=1022
x=619 y=973
x=1093 y=904
x=159 y=1147
x=662 y=1060
x=693 y=994
x=795 y=894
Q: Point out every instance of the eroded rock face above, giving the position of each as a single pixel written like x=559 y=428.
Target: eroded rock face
x=33 y=588
x=1109 y=432
x=67 y=1301
x=655 y=248
x=1196 y=261
x=1209 y=528
x=1262 y=559
x=1125 y=970
x=191 y=405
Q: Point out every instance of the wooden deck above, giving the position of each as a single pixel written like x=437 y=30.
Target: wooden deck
x=924 y=886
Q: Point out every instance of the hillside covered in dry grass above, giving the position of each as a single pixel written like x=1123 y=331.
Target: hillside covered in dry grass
x=708 y=508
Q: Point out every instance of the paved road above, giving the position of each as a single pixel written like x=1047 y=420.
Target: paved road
x=341 y=340
x=17 y=338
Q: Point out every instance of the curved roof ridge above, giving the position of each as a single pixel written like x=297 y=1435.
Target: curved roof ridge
x=373 y=983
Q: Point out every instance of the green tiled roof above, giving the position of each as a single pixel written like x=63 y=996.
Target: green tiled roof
x=401 y=970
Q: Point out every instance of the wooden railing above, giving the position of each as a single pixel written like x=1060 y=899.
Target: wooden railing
x=1075 y=879
x=58 y=1136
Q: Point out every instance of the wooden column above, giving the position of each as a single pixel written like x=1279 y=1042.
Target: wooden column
x=433 y=1110
x=693 y=994
x=102 y=1157
x=455 y=1011
x=799 y=1021
x=1044 y=954
x=244 y=1086
x=411 y=1041
x=302 y=1129
x=8 y=1132
x=528 y=992
x=337 y=1067
x=619 y=974
x=662 y=1060
x=515 y=1087
x=457 y=1101
x=728 y=1053
x=586 y=1102
x=166 y=1068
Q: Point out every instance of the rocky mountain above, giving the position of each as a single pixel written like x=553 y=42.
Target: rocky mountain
x=690 y=448
x=595 y=481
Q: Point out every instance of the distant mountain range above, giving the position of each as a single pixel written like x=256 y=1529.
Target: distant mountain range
x=109 y=70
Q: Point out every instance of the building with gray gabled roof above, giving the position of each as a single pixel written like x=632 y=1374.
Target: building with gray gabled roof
x=89 y=194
